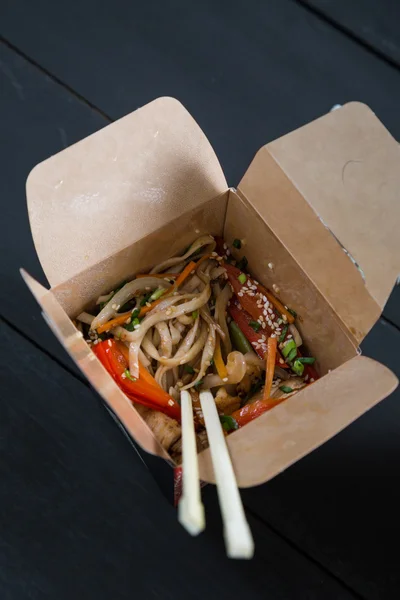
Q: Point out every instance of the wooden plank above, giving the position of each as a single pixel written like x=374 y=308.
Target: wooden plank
x=376 y=24
x=269 y=69
x=81 y=517
x=392 y=308
x=339 y=503
x=39 y=118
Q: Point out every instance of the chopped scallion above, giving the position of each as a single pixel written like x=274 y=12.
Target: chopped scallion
x=228 y=423
x=298 y=367
x=286 y=389
x=255 y=325
x=292 y=355
x=128 y=375
x=288 y=347
x=242 y=278
x=292 y=312
x=189 y=369
x=146 y=298
x=199 y=383
x=308 y=360
x=237 y=244
x=195 y=314
x=283 y=334
x=157 y=294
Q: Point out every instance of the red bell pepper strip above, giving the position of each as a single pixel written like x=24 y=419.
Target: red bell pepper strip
x=243 y=319
x=143 y=390
x=249 y=412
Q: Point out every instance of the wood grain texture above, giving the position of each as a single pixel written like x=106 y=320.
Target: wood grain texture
x=38 y=118
x=82 y=518
x=376 y=24
x=340 y=503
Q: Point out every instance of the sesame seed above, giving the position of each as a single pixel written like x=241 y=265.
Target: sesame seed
x=270 y=265
x=123 y=375
x=114 y=306
x=312 y=380
x=305 y=378
x=275 y=288
x=225 y=379
x=270 y=311
x=273 y=335
x=171 y=402
x=148 y=304
x=225 y=246
x=136 y=326
x=109 y=343
x=284 y=317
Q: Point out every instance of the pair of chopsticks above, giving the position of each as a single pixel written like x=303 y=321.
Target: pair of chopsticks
x=238 y=539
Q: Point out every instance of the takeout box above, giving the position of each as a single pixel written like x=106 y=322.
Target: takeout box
x=318 y=214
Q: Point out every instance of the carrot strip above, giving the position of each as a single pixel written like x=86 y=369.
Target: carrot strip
x=185 y=273
x=270 y=366
x=202 y=259
x=218 y=361
x=181 y=278
x=146 y=309
x=114 y=322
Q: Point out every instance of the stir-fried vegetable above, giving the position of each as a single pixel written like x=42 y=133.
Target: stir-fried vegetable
x=143 y=389
x=198 y=321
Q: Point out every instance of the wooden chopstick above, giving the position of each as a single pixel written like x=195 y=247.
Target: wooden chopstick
x=190 y=508
x=238 y=539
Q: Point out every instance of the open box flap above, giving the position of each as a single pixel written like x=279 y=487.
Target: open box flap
x=118 y=185
x=86 y=360
x=346 y=166
x=280 y=437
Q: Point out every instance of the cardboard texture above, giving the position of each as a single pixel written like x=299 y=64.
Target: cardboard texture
x=146 y=186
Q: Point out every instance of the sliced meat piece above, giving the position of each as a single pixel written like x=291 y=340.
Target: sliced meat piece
x=226 y=404
x=166 y=430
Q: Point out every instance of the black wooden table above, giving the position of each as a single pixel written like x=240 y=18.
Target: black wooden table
x=80 y=517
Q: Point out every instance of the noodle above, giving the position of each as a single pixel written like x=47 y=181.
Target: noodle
x=176 y=340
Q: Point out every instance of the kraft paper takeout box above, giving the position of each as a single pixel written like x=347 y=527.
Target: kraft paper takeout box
x=321 y=204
